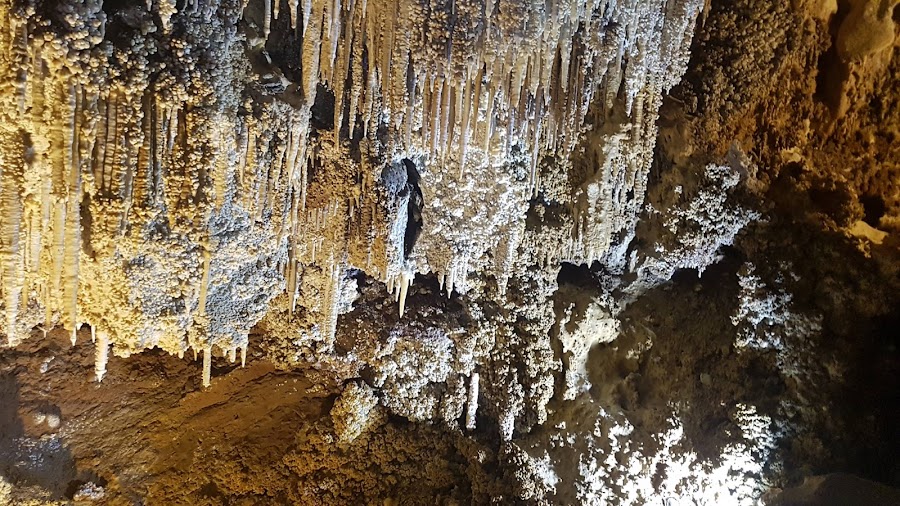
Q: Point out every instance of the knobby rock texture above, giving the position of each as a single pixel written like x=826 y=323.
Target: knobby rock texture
x=449 y=252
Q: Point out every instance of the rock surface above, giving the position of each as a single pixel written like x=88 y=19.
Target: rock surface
x=631 y=252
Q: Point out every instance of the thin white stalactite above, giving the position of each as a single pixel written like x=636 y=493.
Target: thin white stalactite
x=267 y=17
x=101 y=355
x=472 y=403
x=207 y=365
x=405 y=282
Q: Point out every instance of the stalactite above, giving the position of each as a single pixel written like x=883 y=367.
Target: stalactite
x=267 y=20
x=294 y=5
x=405 y=282
x=11 y=172
x=207 y=365
x=173 y=178
x=204 y=281
x=472 y=402
x=101 y=355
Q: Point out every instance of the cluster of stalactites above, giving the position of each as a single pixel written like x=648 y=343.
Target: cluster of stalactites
x=102 y=344
x=81 y=137
x=450 y=78
x=446 y=76
x=97 y=165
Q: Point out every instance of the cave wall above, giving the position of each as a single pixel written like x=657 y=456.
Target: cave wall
x=595 y=253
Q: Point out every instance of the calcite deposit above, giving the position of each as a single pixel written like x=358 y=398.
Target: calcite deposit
x=168 y=172
x=447 y=252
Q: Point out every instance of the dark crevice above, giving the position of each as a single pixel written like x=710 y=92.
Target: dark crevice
x=323 y=109
x=577 y=275
x=413 y=208
x=111 y=7
x=874 y=208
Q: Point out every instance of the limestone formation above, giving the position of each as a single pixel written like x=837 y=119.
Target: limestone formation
x=447 y=251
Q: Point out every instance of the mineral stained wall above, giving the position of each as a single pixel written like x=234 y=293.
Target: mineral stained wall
x=586 y=252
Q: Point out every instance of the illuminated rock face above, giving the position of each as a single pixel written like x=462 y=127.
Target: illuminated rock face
x=471 y=252
x=175 y=174
x=169 y=168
